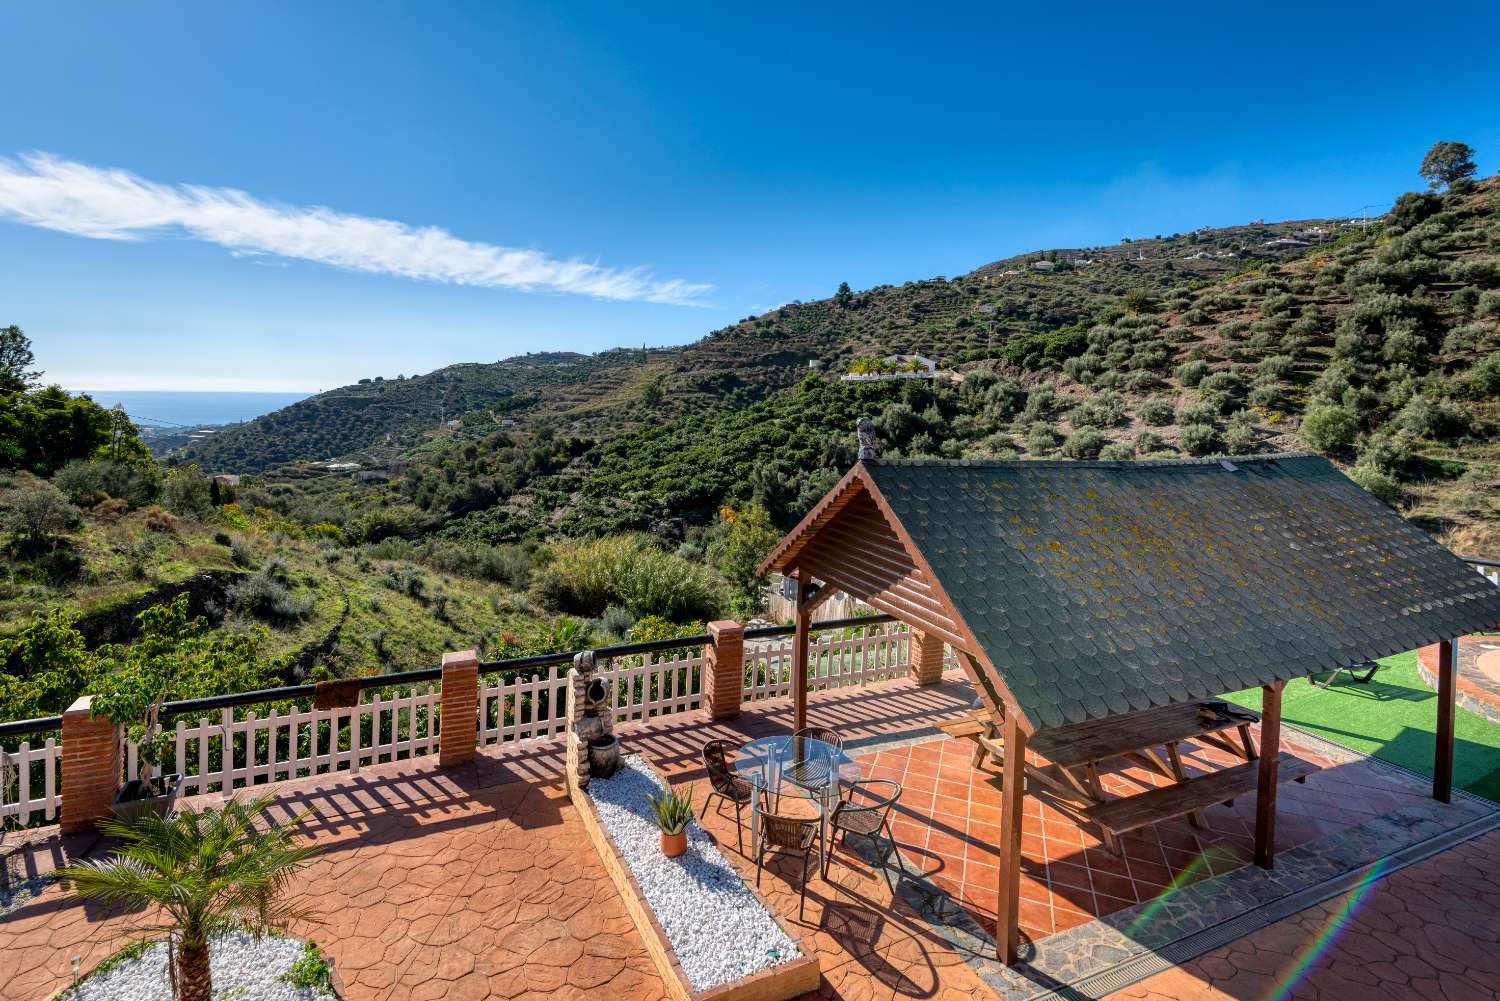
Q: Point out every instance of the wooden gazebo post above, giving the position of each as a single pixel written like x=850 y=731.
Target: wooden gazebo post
x=809 y=597
x=1442 y=764
x=799 y=665
x=1013 y=791
x=1265 y=791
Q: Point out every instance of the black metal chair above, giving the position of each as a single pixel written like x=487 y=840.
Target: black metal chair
x=793 y=836
x=867 y=811
x=812 y=773
x=726 y=785
x=822 y=733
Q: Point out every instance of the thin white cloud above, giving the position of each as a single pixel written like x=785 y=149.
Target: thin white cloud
x=43 y=190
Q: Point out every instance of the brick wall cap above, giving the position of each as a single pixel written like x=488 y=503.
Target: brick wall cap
x=724 y=627
x=82 y=706
x=460 y=658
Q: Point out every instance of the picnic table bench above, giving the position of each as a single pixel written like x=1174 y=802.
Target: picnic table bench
x=1084 y=745
x=1080 y=747
x=1129 y=813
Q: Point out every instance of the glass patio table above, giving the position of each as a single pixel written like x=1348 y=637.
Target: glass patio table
x=794 y=766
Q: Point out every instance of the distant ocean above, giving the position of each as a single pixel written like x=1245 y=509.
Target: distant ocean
x=165 y=408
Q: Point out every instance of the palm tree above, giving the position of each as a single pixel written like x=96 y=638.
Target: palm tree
x=207 y=873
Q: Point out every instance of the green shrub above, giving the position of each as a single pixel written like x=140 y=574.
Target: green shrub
x=1388 y=453
x=1488 y=304
x=1103 y=409
x=1205 y=411
x=135 y=484
x=311 y=970
x=1239 y=436
x=1377 y=482
x=1266 y=394
x=586 y=577
x=1484 y=379
x=1039 y=401
x=1469 y=337
x=1329 y=428
x=1191 y=373
x=1427 y=418
x=1226 y=383
x=1199 y=439
x=1274 y=367
x=1040 y=439
x=1084 y=444
x=1149 y=441
x=1157 y=412
x=1116 y=450
x=1046 y=350
x=266 y=597
x=186 y=493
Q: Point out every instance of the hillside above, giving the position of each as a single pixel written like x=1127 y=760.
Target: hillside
x=386 y=415
x=1379 y=348
x=742 y=363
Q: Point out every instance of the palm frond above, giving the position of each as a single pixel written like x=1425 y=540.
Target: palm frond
x=209 y=871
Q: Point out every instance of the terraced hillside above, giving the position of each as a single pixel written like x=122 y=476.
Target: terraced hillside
x=1380 y=349
x=594 y=394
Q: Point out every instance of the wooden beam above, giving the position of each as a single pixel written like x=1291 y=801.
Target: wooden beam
x=1008 y=914
x=1442 y=764
x=799 y=665
x=1265 y=793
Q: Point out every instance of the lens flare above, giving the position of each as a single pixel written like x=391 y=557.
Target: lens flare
x=1329 y=935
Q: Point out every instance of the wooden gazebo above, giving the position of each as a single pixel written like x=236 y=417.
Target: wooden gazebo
x=1079 y=591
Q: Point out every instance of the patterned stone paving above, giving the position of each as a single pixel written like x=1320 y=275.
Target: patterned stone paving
x=1387 y=809
x=949 y=825
x=1430 y=931
x=478 y=882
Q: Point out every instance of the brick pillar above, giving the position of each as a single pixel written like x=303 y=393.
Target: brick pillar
x=924 y=658
x=91 y=767
x=458 y=734
x=724 y=669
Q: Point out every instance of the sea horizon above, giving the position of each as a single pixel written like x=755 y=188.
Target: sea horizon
x=193 y=408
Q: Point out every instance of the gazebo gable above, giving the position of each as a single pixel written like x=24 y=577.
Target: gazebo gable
x=853 y=542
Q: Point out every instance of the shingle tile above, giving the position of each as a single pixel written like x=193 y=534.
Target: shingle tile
x=1097 y=586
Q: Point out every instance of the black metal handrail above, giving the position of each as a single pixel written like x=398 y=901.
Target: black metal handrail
x=39 y=724
x=18 y=727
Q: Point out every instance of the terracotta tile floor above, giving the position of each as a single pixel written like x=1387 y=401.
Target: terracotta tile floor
x=948 y=825
x=478 y=882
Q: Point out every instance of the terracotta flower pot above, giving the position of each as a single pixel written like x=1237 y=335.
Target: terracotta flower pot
x=673 y=845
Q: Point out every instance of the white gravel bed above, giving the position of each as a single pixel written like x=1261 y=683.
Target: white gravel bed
x=243 y=968
x=718 y=929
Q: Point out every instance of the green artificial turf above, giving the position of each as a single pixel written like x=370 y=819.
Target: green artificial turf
x=1394 y=717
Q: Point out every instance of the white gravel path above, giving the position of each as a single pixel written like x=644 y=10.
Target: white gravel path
x=243 y=969
x=717 y=928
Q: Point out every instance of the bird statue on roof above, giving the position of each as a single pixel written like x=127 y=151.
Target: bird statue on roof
x=866 y=430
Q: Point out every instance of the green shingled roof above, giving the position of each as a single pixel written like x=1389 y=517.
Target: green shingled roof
x=1096 y=588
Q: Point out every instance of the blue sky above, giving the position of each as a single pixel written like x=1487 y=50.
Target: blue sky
x=661 y=174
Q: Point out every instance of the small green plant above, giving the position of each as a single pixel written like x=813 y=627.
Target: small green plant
x=311 y=969
x=207 y=873
x=674 y=811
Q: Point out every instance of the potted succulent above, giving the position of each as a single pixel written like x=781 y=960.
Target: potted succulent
x=674 y=812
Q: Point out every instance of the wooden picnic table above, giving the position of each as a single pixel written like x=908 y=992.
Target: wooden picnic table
x=1085 y=745
x=1067 y=750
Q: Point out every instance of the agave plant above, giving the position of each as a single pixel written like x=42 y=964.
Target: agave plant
x=674 y=811
x=206 y=873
